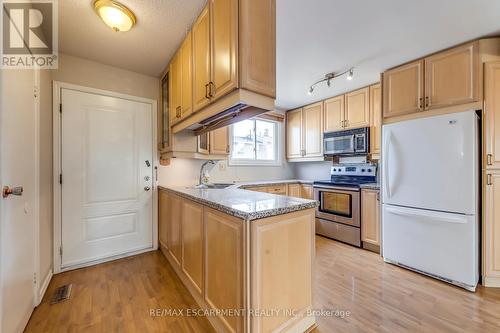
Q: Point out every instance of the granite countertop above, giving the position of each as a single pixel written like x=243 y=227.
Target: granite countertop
x=247 y=205
x=371 y=186
x=272 y=182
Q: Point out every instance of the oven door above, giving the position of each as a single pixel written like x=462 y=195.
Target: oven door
x=338 y=205
x=339 y=145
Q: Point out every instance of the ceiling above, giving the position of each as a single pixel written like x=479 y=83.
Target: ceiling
x=147 y=48
x=313 y=37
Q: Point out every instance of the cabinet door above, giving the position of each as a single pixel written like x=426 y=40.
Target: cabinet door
x=334 y=114
x=192 y=243
x=403 y=89
x=370 y=217
x=307 y=192
x=201 y=60
x=176 y=69
x=492 y=118
x=294 y=134
x=163 y=217
x=492 y=225
x=357 y=108
x=224 y=266
x=451 y=77
x=294 y=190
x=223 y=38
x=186 y=77
x=219 y=141
x=375 y=118
x=164 y=141
x=312 y=120
x=174 y=232
x=204 y=143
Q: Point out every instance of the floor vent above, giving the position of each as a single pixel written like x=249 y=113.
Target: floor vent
x=61 y=294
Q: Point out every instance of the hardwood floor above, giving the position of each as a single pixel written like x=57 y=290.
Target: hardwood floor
x=117 y=297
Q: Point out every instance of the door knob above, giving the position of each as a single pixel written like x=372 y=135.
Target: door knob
x=147 y=188
x=18 y=190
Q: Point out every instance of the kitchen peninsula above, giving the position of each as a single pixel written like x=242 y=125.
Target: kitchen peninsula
x=241 y=253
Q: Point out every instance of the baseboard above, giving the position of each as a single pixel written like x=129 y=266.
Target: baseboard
x=491 y=282
x=45 y=285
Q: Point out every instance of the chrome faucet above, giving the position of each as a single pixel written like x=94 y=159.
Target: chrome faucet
x=201 y=171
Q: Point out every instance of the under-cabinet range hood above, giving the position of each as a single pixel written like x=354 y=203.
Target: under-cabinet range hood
x=238 y=105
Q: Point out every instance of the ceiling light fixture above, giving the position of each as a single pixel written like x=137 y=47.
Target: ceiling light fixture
x=329 y=77
x=115 y=15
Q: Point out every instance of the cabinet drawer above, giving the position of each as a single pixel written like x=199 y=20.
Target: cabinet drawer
x=277 y=189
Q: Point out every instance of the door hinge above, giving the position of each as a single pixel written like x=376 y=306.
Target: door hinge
x=60 y=251
x=34 y=278
x=60 y=178
x=60 y=107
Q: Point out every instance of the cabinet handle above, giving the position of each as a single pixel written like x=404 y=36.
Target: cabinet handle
x=227 y=149
x=426 y=101
x=488 y=179
x=210 y=85
x=207 y=96
x=488 y=159
x=178 y=112
x=420 y=103
x=346 y=123
x=378 y=196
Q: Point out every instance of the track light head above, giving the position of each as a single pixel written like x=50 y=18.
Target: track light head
x=350 y=74
x=310 y=91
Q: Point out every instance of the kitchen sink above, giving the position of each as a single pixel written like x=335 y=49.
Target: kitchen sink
x=212 y=186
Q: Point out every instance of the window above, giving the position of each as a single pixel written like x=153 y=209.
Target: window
x=254 y=142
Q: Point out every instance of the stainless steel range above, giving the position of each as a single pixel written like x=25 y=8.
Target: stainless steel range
x=338 y=214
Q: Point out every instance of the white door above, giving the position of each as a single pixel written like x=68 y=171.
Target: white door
x=17 y=220
x=107 y=171
x=432 y=163
x=437 y=243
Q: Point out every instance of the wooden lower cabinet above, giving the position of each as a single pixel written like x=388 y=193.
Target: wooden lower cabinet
x=307 y=192
x=491 y=229
x=231 y=264
x=174 y=227
x=163 y=218
x=224 y=265
x=295 y=190
x=192 y=243
x=277 y=189
x=370 y=219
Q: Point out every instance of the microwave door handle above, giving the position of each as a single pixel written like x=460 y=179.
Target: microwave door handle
x=353 y=140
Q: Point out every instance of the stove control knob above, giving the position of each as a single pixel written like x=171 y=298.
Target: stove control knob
x=362 y=170
x=369 y=170
x=334 y=169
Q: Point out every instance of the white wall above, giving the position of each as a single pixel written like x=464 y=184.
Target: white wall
x=312 y=170
x=182 y=172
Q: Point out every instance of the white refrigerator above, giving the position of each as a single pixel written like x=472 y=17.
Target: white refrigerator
x=430 y=202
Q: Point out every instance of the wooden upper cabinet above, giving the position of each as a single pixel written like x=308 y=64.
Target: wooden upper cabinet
x=334 y=114
x=370 y=217
x=312 y=119
x=492 y=115
x=175 y=96
x=294 y=133
x=257 y=46
x=375 y=118
x=224 y=34
x=451 y=77
x=201 y=60
x=403 y=89
x=186 y=62
x=357 y=108
x=219 y=141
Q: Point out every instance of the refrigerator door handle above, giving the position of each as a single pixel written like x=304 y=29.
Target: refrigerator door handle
x=387 y=144
x=435 y=216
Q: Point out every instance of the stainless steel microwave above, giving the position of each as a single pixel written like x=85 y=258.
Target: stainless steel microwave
x=347 y=143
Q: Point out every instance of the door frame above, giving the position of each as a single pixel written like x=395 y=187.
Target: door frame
x=57 y=86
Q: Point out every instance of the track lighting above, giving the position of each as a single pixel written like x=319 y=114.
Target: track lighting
x=329 y=77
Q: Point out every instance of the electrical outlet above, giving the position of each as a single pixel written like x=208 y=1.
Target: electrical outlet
x=222 y=166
